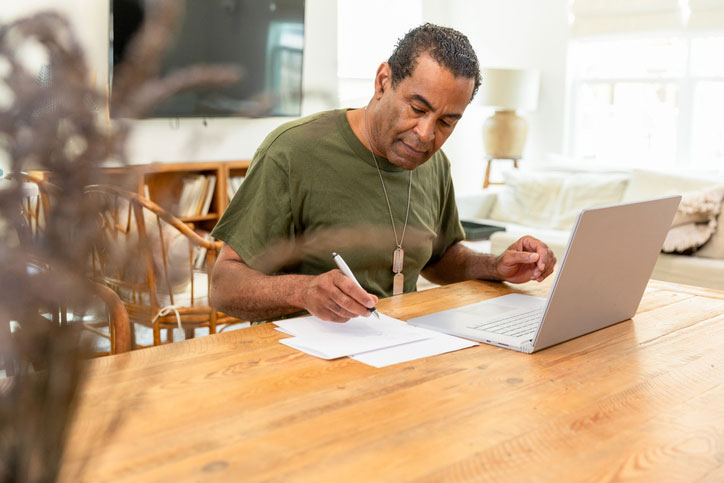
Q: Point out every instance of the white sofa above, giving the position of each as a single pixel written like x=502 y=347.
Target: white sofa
x=544 y=203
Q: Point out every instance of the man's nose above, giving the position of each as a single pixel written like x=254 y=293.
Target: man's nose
x=426 y=129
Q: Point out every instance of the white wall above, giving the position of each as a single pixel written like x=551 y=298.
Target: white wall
x=89 y=18
x=93 y=35
x=511 y=33
x=190 y=139
x=505 y=33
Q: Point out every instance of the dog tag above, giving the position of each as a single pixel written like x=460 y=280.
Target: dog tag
x=398 y=259
x=398 y=284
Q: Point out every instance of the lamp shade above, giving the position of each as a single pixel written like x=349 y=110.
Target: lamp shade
x=511 y=89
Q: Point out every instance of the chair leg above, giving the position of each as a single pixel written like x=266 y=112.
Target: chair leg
x=134 y=345
x=156 y=334
x=8 y=361
x=111 y=332
x=63 y=314
x=190 y=333
x=212 y=322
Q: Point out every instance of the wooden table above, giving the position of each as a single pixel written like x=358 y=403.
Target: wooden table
x=643 y=399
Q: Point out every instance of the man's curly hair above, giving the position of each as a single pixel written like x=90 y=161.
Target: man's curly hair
x=448 y=47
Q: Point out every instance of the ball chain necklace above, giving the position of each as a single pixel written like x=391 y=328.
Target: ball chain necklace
x=398 y=280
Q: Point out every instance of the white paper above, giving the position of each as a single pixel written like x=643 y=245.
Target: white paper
x=402 y=342
x=299 y=344
x=330 y=340
x=439 y=343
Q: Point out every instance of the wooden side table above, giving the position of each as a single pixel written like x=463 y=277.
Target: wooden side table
x=490 y=159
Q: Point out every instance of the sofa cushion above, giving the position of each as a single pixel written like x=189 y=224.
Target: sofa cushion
x=644 y=185
x=553 y=200
x=529 y=198
x=689 y=270
x=581 y=191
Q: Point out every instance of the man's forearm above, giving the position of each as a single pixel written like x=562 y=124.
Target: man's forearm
x=242 y=292
x=460 y=263
x=250 y=294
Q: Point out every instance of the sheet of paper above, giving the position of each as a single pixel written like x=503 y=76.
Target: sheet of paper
x=438 y=343
x=330 y=340
x=302 y=345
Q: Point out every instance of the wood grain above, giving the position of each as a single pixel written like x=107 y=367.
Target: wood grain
x=643 y=399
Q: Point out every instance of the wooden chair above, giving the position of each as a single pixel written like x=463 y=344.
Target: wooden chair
x=118 y=322
x=36 y=210
x=35 y=206
x=158 y=265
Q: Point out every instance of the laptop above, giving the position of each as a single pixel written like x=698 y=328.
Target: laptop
x=610 y=255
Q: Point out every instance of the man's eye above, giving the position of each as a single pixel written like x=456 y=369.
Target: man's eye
x=416 y=110
x=445 y=123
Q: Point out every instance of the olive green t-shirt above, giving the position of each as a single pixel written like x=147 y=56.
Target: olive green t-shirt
x=313 y=189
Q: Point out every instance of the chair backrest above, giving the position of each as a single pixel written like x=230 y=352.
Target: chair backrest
x=36 y=204
x=149 y=257
x=38 y=195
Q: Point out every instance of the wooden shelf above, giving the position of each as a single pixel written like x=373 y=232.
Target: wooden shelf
x=164 y=182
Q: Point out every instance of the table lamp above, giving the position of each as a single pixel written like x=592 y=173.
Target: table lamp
x=507 y=90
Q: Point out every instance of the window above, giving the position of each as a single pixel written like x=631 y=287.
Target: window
x=653 y=102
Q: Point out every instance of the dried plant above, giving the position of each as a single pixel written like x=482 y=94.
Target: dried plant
x=60 y=130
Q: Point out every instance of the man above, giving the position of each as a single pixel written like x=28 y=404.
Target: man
x=370 y=184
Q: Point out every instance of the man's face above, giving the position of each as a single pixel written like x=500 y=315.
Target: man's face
x=414 y=119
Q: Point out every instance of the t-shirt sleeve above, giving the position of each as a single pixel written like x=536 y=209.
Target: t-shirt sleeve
x=259 y=216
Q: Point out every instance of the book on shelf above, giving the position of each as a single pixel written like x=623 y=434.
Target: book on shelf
x=200 y=198
x=197 y=192
x=200 y=252
x=189 y=199
x=233 y=185
x=208 y=194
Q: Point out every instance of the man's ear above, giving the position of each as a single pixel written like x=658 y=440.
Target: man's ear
x=383 y=79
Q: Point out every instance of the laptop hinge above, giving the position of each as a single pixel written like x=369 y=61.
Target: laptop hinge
x=527 y=347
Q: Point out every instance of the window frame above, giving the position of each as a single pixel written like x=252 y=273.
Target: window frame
x=686 y=85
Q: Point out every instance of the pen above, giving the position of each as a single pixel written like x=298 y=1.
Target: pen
x=345 y=269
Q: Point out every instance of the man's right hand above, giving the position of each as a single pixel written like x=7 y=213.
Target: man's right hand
x=241 y=291
x=335 y=297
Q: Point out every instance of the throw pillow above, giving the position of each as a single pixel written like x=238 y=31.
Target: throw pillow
x=695 y=220
x=587 y=190
x=528 y=198
x=714 y=248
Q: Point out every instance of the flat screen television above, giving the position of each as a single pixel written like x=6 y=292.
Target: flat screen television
x=264 y=37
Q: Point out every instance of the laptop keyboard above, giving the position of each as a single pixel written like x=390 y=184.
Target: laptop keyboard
x=517 y=325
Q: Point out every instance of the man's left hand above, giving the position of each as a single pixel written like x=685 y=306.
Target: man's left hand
x=525 y=260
